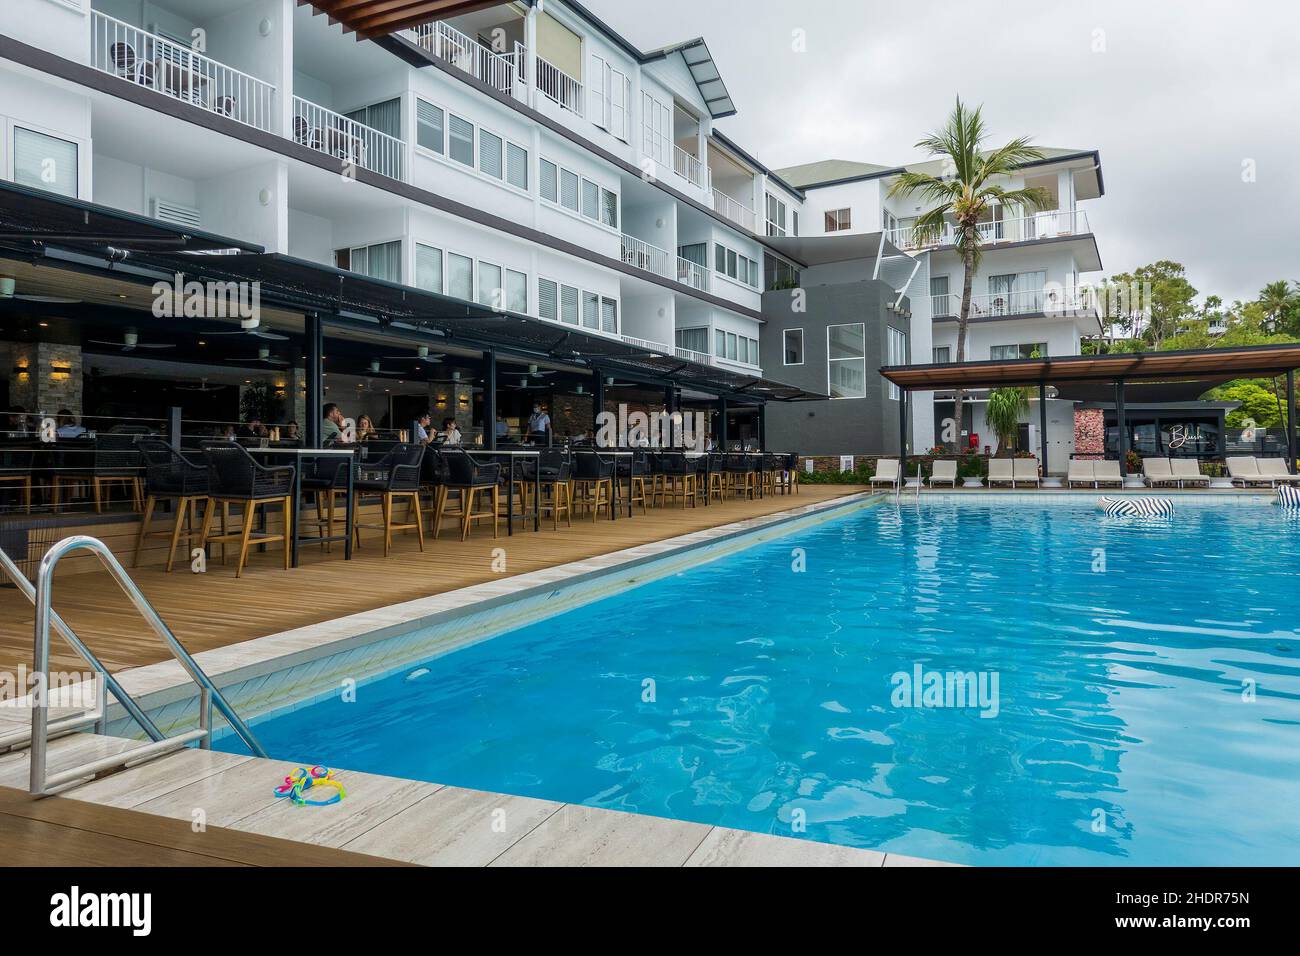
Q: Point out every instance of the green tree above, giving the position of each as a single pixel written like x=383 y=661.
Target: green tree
x=1259 y=403
x=1156 y=301
x=970 y=186
x=1281 y=304
x=1006 y=406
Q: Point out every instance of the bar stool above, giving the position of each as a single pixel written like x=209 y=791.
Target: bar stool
x=555 y=472
x=472 y=479
x=634 y=470
x=16 y=468
x=679 y=478
x=593 y=481
x=396 y=477
x=235 y=478
x=170 y=476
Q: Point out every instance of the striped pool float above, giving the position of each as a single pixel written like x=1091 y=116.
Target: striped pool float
x=1288 y=496
x=1138 y=507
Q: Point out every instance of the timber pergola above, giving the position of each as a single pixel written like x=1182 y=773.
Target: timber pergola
x=370 y=18
x=1208 y=367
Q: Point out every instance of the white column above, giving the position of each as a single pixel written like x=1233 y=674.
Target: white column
x=530 y=41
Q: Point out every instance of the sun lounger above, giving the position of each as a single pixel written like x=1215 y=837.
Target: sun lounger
x=1107 y=473
x=1001 y=469
x=1025 y=471
x=1275 y=470
x=1188 y=472
x=1080 y=473
x=886 y=472
x=945 y=473
x=1246 y=471
x=1157 y=471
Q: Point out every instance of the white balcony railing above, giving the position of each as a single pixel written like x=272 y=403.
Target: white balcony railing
x=690 y=168
x=646 y=257
x=505 y=72
x=704 y=358
x=347 y=140
x=692 y=274
x=1042 y=225
x=175 y=70
x=1026 y=302
x=558 y=86
x=646 y=344
x=733 y=210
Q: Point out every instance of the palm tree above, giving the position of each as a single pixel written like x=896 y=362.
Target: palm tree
x=1279 y=299
x=1003 y=413
x=968 y=190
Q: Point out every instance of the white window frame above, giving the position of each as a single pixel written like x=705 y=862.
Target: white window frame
x=11 y=143
x=557 y=284
x=579 y=213
x=478 y=278
x=442 y=267
x=863 y=360
x=473 y=274
x=367 y=246
x=847 y=218
x=506 y=290
x=803 y=352
x=896 y=346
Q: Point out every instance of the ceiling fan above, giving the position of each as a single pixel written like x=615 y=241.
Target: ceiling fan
x=458 y=380
x=131 y=341
x=375 y=369
x=535 y=372
x=203 y=386
x=7 y=292
x=263 y=355
x=253 y=330
x=421 y=355
x=525 y=386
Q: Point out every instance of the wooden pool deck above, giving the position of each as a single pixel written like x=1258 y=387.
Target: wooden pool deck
x=215 y=609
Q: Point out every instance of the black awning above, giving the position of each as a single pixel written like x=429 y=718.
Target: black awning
x=40 y=225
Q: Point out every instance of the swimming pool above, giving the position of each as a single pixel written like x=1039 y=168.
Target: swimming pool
x=1134 y=690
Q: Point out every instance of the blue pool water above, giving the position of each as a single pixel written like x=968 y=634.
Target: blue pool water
x=1123 y=731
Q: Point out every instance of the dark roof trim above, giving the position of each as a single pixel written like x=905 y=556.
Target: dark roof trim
x=1092 y=154
x=844 y=180
x=103 y=82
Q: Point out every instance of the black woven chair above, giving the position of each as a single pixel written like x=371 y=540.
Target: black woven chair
x=791 y=477
x=555 y=469
x=115 y=462
x=235 y=478
x=170 y=476
x=394 y=477
x=634 y=470
x=324 y=478
x=593 y=482
x=738 y=471
x=679 y=478
x=472 y=479
x=16 y=466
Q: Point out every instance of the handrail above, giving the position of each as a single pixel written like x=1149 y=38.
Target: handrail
x=209 y=694
x=14 y=574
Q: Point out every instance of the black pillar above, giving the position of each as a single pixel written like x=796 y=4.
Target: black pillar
x=1292 y=443
x=722 y=424
x=315 y=348
x=670 y=399
x=490 y=399
x=1042 y=424
x=1121 y=421
x=762 y=426
x=174 y=425
x=597 y=401
x=902 y=428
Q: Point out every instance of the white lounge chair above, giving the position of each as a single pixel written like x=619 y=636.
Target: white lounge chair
x=944 y=473
x=1106 y=472
x=1157 y=471
x=1246 y=471
x=1275 y=469
x=1188 y=472
x=886 y=473
x=1080 y=473
x=1025 y=471
x=1001 y=469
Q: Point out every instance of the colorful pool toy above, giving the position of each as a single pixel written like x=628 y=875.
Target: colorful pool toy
x=301 y=780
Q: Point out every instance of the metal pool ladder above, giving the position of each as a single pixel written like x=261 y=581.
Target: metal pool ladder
x=40 y=595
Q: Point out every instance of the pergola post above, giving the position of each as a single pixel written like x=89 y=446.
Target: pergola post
x=1292 y=443
x=490 y=399
x=1042 y=423
x=314 y=346
x=722 y=424
x=762 y=426
x=597 y=400
x=902 y=427
x=1121 y=420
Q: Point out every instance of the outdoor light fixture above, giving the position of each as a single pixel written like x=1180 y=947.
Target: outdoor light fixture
x=579 y=389
x=264 y=197
x=57 y=368
x=20 y=369
x=264 y=27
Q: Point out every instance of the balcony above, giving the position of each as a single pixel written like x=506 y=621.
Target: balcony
x=690 y=168
x=742 y=215
x=347 y=140
x=692 y=274
x=558 y=87
x=174 y=70
x=646 y=257
x=505 y=72
x=1043 y=225
x=1050 y=302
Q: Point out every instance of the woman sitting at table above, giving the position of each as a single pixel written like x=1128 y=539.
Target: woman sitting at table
x=68 y=426
x=450 y=434
x=366 y=430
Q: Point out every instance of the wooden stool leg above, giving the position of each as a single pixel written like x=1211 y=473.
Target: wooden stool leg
x=496 y=511
x=183 y=507
x=289 y=531
x=99 y=504
x=250 y=513
x=386 y=506
x=419 y=519
x=144 y=530
x=439 y=506
x=209 y=513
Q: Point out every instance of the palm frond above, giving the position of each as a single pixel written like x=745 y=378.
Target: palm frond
x=929 y=227
x=1029 y=198
x=930 y=188
x=1005 y=160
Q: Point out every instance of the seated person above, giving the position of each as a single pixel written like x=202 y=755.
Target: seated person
x=68 y=426
x=450 y=434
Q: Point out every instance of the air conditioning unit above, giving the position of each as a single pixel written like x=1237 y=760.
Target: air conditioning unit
x=174 y=212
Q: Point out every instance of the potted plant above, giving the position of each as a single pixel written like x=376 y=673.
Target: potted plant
x=1134 y=462
x=970 y=469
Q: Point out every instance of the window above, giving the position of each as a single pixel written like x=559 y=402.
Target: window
x=775 y=216
x=516 y=291
x=793 y=346
x=428 y=268
x=550 y=181
x=489 y=154
x=608 y=315
x=590 y=199
x=720 y=343
x=385 y=117
x=1004 y=353
x=1016 y=294
x=517 y=166
x=460 y=276
x=609 y=208
x=489 y=285
x=569 y=190
x=548 y=299
x=697 y=340
x=941 y=303
x=794 y=222
x=846 y=360
x=461 y=146
x=656 y=130
x=838 y=220
x=731 y=345
x=429 y=126
x=941 y=354
x=735 y=266
x=610 y=92
x=380 y=261
x=895 y=354
x=569 y=304
x=45 y=162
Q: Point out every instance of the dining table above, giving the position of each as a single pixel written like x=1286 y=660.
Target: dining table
x=299 y=457
x=513 y=455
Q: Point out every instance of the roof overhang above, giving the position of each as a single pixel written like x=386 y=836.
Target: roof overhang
x=1201 y=365
x=372 y=18
x=823 y=250
x=38 y=227
x=704 y=71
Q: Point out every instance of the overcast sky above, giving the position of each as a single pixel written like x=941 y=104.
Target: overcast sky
x=1176 y=94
